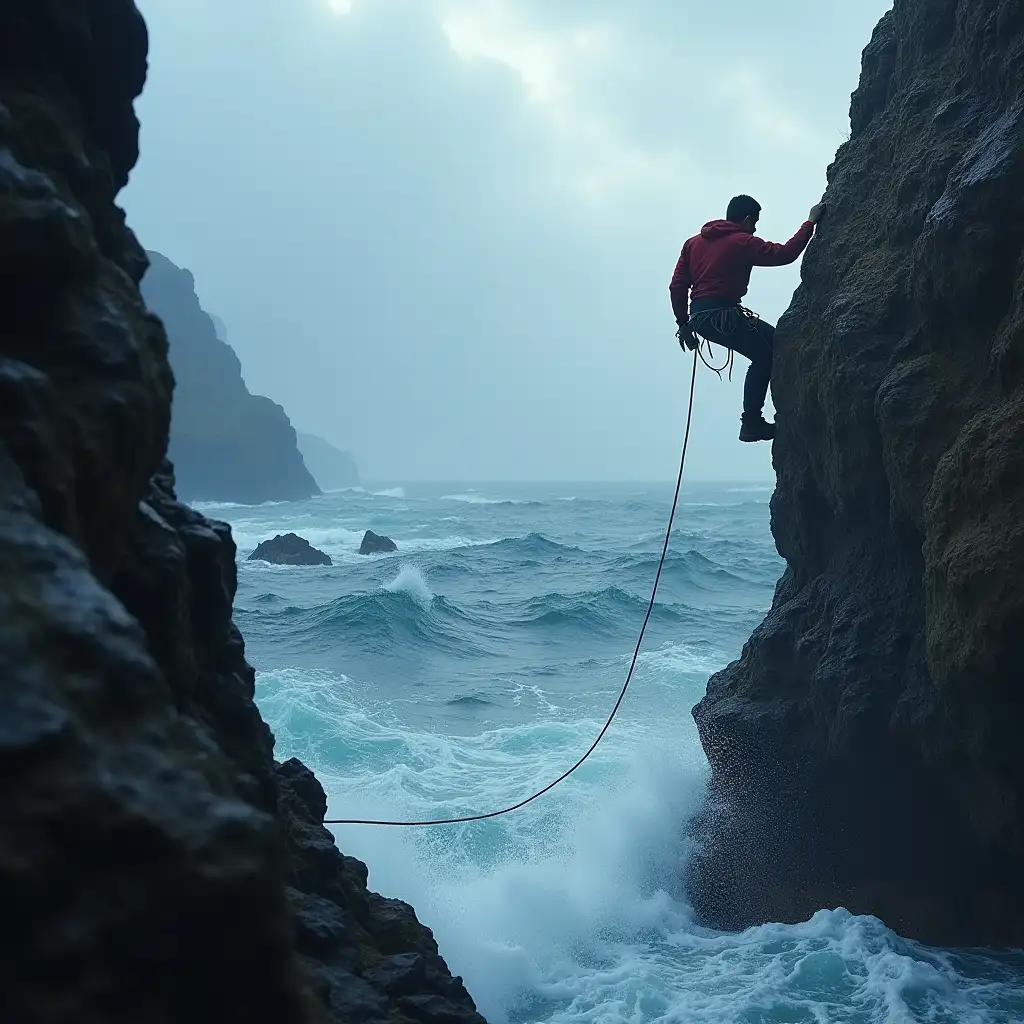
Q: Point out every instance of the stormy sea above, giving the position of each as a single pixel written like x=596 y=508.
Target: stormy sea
x=475 y=665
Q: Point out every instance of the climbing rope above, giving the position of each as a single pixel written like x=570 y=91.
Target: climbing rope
x=625 y=685
x=723 y=322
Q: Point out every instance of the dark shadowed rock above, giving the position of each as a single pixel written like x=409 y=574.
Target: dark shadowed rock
x=156 y=865
x=289 y=549
x=374 y=544
x=866 y=749
x=226 y=444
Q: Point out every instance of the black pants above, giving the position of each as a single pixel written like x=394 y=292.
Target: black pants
x=730 y=327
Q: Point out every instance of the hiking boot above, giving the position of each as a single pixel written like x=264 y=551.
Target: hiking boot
x=757 y=429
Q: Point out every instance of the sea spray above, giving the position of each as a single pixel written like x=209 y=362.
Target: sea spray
x=411 y=581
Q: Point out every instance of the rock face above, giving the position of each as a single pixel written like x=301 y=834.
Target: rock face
x=866 y=749
x=289 y=549
x=332 y=468
x=226 y=444
x=156 y=863
x=374 y=544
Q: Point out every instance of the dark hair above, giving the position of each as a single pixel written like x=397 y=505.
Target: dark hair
x=742 y=207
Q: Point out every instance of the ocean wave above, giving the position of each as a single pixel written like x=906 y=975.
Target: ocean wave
x=199 y=506
x=478 y=558
x=701 y=657
x=469 y=701
x=207 y=507
x=412 y=582
x=690 y=567
x=472 y=499
x=479 y=499
x=607 y=609
x=406 y=615
x=402 y=616
x=388 y=492
x=533 y=545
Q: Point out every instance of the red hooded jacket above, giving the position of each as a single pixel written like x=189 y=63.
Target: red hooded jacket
x=716 y=264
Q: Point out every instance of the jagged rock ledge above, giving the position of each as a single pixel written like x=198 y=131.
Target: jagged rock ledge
x=866 y=750
x=157 y=864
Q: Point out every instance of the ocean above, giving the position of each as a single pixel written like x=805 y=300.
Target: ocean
x=479 y=662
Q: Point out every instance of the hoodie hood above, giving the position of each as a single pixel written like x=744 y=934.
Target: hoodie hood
x=721 y=228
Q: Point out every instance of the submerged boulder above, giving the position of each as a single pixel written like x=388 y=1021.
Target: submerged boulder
x=865 y=750
x=289 y=549
x=374 y=544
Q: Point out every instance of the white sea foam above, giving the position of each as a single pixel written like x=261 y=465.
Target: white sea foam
x=570 y=909
x=478 y=499
x=676 y=658
x=412 y=582
x=475 y=498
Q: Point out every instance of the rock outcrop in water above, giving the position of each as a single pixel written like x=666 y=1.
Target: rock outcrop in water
x=866 y=749
x=375 y=544
x=156 y=863
x=226 y=444
x=289 y=549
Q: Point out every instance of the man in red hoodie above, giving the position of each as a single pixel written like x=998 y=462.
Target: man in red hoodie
x=713 y=272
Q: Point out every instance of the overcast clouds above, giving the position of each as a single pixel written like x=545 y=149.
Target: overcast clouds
x=440 y=232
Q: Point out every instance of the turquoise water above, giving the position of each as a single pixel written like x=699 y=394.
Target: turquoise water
x=474 y=666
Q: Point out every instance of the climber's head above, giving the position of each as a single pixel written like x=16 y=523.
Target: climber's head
x=744 y=210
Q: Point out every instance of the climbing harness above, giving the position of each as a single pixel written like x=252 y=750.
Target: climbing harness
x=625 y=685
x=723 y=322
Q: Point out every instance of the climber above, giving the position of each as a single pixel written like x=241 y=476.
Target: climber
x=716 y=264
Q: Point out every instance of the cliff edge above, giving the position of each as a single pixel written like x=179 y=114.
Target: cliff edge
x=865 y=750
x=226 y=444
x=156 y=863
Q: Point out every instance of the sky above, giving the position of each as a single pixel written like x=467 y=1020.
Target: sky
x=440 y=232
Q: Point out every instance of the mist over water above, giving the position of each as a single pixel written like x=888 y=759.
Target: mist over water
x=475 y=665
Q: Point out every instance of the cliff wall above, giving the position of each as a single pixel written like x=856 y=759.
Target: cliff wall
x=866 y=749
x=226 y=444
x=156 y=863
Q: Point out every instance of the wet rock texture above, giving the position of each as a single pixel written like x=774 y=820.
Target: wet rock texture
x=375 y=544
x=866 y=748
x=289 y=549
x=156 y=863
